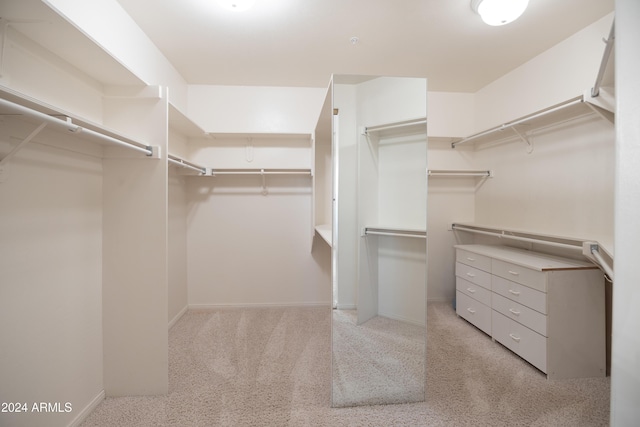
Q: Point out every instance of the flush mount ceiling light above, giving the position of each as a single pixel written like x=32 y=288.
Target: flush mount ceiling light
x=237 y=5
x=499 y=12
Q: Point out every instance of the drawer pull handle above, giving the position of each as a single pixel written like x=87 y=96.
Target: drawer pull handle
x=471 y=259
x=473 y=291
x=515 y=338
x=515 y=273
x=517 y=313
x=471 y=310
x=471 y=275
x=511 y=291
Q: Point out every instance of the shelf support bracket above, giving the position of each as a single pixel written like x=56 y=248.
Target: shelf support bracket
x=525 y=139
x=21 y=144
x=264 y=183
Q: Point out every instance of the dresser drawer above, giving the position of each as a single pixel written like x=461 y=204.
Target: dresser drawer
x=474 y=312
x=473 y=275
x=476 y=292
x=524 y=295
x=526 y=343
x=525 y=276
x=481 y=262
x=521 y=314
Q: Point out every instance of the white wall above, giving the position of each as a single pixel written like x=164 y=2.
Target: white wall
x=556 y=75
x=625 y=369
x=246 y=248
x=129 y=45
x=564 y=187
x=177 y=240
x=255 y=109
x=51 y=287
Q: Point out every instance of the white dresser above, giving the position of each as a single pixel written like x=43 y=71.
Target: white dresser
x=548 y=310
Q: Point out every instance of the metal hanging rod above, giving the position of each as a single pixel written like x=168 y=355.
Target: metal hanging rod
x=594 y=249
x=460 y=173
x=595 y=91
x=395 y=125
x=183 y=163
x=501 y=235
x=523 y=120
x=69 y=126
x=381 y=231
x=260 y=172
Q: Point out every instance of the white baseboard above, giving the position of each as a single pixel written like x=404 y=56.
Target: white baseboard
x=346 y=307
x=87 y=410
x=401 y=319
x=258 y=305
x=178 y=316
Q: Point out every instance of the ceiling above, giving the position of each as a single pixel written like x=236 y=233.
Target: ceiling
x=303 y=42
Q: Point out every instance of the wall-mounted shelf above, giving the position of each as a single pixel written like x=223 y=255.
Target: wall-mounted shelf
x=183 y=124
x=563 y=112
x=40 y=23
x=324 y=231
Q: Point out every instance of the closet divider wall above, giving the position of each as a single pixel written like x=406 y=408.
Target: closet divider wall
x=84 y=223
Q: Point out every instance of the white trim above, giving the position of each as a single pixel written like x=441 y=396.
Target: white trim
x=346 y=307
x=258 y=305
x=401 y=319
x=87 y=410
x=178 y=316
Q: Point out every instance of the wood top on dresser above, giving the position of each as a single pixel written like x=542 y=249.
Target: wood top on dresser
x=528 y=259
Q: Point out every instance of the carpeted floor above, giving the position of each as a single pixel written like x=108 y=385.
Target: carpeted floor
x=271 y=367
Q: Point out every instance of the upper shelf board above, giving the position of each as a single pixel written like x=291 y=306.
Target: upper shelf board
x=42 y=25
x=560 y=113
x=183 y=124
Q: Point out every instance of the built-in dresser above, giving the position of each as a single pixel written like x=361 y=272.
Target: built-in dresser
x=548 y=310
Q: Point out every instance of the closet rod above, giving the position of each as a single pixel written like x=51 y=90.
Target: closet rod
x=186 y=165
x=595 y=91
x=260 y=172
x=394 y=232
x=394 y=125
x=519 y=121
x=501 y=235
x=463 y=173
x=68 y=125
x=595 y=251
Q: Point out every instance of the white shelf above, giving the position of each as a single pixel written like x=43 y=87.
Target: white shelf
x=325 y=232
x=44 y=26
x=183 y=124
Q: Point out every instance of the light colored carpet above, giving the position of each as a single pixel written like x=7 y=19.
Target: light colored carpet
x=271 y=367
x=380 y=361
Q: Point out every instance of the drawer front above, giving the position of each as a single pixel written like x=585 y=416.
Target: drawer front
x=476 y=292
x=526 y=343
x=481 y=262
x=525 y=276
x=521 y=314
x=473 y=275
x=474 y=312
x=519 y=293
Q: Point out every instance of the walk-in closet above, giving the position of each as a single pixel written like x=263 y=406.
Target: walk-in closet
x=179 y=251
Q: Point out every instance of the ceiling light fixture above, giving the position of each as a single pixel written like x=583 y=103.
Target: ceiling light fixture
x=499 y=12
x=237 y=5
